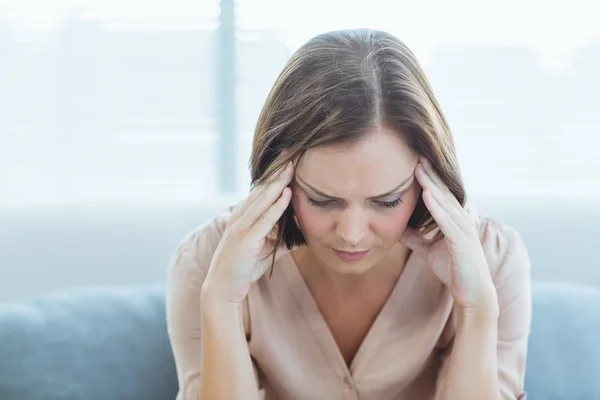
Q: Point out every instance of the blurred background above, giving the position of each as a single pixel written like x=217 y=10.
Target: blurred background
x=125 y=124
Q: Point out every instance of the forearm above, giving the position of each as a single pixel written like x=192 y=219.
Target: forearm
x=472 y=370
x=227 y=372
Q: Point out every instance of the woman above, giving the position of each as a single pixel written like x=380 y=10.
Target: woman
x=381 y=284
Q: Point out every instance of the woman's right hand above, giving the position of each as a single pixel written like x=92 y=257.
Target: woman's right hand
x=241 y=256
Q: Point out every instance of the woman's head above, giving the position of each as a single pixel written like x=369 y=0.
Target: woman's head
x=354 y=111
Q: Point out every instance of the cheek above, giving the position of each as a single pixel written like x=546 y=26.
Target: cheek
x=392 y=226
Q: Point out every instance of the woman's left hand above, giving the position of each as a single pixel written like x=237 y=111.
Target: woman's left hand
x=457 y=259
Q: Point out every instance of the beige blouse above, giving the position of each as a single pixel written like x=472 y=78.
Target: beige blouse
x=404 y=352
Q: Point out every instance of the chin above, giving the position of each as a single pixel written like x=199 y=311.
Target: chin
x=351 y=266
x=347 y=269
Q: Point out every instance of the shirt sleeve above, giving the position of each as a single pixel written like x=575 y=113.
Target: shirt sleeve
x=186 y=274
x=513 y=287
x=510 y=268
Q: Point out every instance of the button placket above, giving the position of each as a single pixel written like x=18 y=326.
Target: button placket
x=349 y=387
x=347 y=383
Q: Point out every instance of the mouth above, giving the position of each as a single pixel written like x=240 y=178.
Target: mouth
x=351 y=255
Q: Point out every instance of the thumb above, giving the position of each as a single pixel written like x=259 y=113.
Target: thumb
x=416 y=243
x=280 y=250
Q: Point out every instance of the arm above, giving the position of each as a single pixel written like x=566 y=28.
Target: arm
x=487 y=274
x=195 y=324
x=488 y=357
x=209 y=284
x=470 y=371
x=225 y=355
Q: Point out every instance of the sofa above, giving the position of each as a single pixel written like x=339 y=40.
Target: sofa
x=110 y=343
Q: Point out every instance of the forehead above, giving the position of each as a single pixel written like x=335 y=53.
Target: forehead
x=371 y=166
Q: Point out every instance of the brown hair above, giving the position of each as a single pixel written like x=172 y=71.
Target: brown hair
x=335 y=89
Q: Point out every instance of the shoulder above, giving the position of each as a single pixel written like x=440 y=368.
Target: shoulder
x=188 y=269
x=196 y=249
x=503 y=246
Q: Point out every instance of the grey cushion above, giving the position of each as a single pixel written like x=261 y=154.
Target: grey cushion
x=564 y=345
x=98 y=344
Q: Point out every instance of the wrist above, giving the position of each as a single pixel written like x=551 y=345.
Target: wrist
x=481 y=303
x=212 y=298
x=479 y=317
x=222 y=316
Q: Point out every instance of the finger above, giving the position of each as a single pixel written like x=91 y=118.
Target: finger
x=258 y=189
x=452 y=208
x=257 y=192
x=434 y=175
x=269 y=218
x=446 y=223
x=442 y=186
x=435 y=178
x=265 y=199
x=282 y=248
x=428 y=182
x=416 y=243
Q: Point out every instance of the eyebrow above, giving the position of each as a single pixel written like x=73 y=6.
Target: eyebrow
x=379 y=196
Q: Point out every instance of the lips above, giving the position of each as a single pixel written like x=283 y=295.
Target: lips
x=351 y=255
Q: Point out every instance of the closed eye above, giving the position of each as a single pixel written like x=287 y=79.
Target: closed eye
x=317 y=203
x=390 y=204
x=325 y=203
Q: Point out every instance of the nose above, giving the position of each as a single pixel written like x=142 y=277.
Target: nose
x=352 y=227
